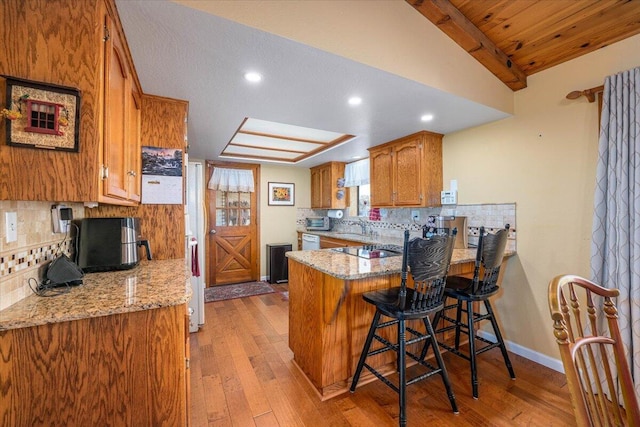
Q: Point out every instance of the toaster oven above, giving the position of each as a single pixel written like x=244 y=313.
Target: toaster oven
x=320 y=223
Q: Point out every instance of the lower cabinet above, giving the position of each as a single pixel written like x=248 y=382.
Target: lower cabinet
x=330 y=242
x=125 y=369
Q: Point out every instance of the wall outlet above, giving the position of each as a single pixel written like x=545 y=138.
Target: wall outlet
x=11 y=226
x=415 y=215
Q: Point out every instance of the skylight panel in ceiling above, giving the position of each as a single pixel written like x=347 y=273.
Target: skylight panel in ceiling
x=263 y=140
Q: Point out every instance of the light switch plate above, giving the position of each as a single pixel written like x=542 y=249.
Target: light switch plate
x=11 y=226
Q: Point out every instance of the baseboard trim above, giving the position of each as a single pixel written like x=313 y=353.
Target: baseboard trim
x=527 y=353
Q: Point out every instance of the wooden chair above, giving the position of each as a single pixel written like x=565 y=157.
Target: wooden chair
x=592 y=352
x=467 y=291
x=428 y=262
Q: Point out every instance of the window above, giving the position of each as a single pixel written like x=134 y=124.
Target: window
x=42 y=117
x=364 y=200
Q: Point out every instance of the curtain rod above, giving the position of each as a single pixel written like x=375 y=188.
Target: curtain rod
x=589 y=93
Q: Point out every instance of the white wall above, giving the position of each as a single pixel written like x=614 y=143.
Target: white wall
x=278 y=223
x=544 y=159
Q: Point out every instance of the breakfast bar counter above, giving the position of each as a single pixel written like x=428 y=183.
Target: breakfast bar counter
x=329 y=320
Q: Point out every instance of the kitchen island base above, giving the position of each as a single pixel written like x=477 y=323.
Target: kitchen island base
x=329 y=321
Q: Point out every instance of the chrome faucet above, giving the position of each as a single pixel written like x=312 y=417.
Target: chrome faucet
x=363 y=226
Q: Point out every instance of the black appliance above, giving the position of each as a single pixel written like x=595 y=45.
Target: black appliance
x=277 y=263
x=106 y=244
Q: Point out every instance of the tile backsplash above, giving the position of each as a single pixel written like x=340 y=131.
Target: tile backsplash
x=394 y=221
x=22 y=261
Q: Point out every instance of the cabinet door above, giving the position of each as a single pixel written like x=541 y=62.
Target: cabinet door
x=134 y=155
x=316 y=189
x=407 y=173
x=326 y=187
x=115 y=100
x=381 y=172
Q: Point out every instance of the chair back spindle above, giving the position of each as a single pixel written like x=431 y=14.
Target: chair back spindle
x=592 y=352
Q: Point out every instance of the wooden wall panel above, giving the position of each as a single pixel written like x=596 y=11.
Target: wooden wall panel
x=57 y=42
x=162 y=125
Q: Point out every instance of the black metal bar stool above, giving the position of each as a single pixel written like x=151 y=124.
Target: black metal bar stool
x=466 y=291
x=428 y=261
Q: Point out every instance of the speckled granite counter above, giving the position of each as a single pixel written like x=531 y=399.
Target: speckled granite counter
x=349 y=267
x=152 y=284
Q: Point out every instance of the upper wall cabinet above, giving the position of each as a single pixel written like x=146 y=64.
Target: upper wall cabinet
x=326 y=193
x=37 y=38
x=407 y=172
x=121 y=137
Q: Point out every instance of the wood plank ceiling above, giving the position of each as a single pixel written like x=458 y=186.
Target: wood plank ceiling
x=516 y=38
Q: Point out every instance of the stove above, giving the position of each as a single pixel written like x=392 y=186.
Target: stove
x=371 y=251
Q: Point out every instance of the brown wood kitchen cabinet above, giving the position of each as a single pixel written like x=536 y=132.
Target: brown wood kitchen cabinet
x=324 y=186
x=330 y=242
x=128 y=369
x=121 y=137
x=106 y=167
x=407 y=171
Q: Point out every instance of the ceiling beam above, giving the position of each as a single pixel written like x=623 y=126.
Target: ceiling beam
x=453 y=23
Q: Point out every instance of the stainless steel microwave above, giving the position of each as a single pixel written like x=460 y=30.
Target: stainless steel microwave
x=318 y=223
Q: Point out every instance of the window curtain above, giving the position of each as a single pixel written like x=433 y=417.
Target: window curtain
x=235 y=180
x=615 y=245
x=356 y=173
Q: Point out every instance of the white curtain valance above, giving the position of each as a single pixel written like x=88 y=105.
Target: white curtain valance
x=240 y=180
x=356 y=173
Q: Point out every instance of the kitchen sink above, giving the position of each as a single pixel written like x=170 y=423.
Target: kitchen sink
x=371 y=251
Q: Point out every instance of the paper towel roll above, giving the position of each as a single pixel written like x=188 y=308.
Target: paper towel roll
x=335 y=213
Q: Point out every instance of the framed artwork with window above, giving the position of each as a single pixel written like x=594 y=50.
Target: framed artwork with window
x=41 y=115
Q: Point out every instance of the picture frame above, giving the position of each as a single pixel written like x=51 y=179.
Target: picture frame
x=41 y=115
x=281 y=194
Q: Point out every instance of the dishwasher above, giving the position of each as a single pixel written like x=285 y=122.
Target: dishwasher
x=310 y=242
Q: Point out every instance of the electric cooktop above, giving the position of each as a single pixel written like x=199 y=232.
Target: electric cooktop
x=371 y=251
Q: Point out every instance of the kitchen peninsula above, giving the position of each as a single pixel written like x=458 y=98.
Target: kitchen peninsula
x=329 y=320
x=113 y=351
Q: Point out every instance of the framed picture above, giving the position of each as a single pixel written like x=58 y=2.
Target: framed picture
x=281 y=194
x=40 y=115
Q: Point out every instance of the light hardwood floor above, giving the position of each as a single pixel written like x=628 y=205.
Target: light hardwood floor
x=242 y=374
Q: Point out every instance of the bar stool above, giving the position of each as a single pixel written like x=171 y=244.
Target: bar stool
x=428 y=261
x=481 y=287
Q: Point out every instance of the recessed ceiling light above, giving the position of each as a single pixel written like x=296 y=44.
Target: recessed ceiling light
x=427 y=117
x=356 y=157
x=253 y=77
x=355 y=100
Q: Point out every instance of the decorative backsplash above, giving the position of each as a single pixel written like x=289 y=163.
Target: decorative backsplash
x=22 y=260
x=393 y=222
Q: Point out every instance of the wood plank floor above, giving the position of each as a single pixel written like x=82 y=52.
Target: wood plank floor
x=242 y=374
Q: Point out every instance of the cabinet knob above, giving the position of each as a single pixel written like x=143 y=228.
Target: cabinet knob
x=131 y=173
x=212 y=231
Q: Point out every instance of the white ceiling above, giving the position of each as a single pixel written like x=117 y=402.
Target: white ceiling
x=186 y=54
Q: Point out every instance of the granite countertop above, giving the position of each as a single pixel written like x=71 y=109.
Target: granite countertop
x=350 y=267
x=152 y=284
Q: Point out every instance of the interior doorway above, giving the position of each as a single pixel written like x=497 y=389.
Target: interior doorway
x=233 y=229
